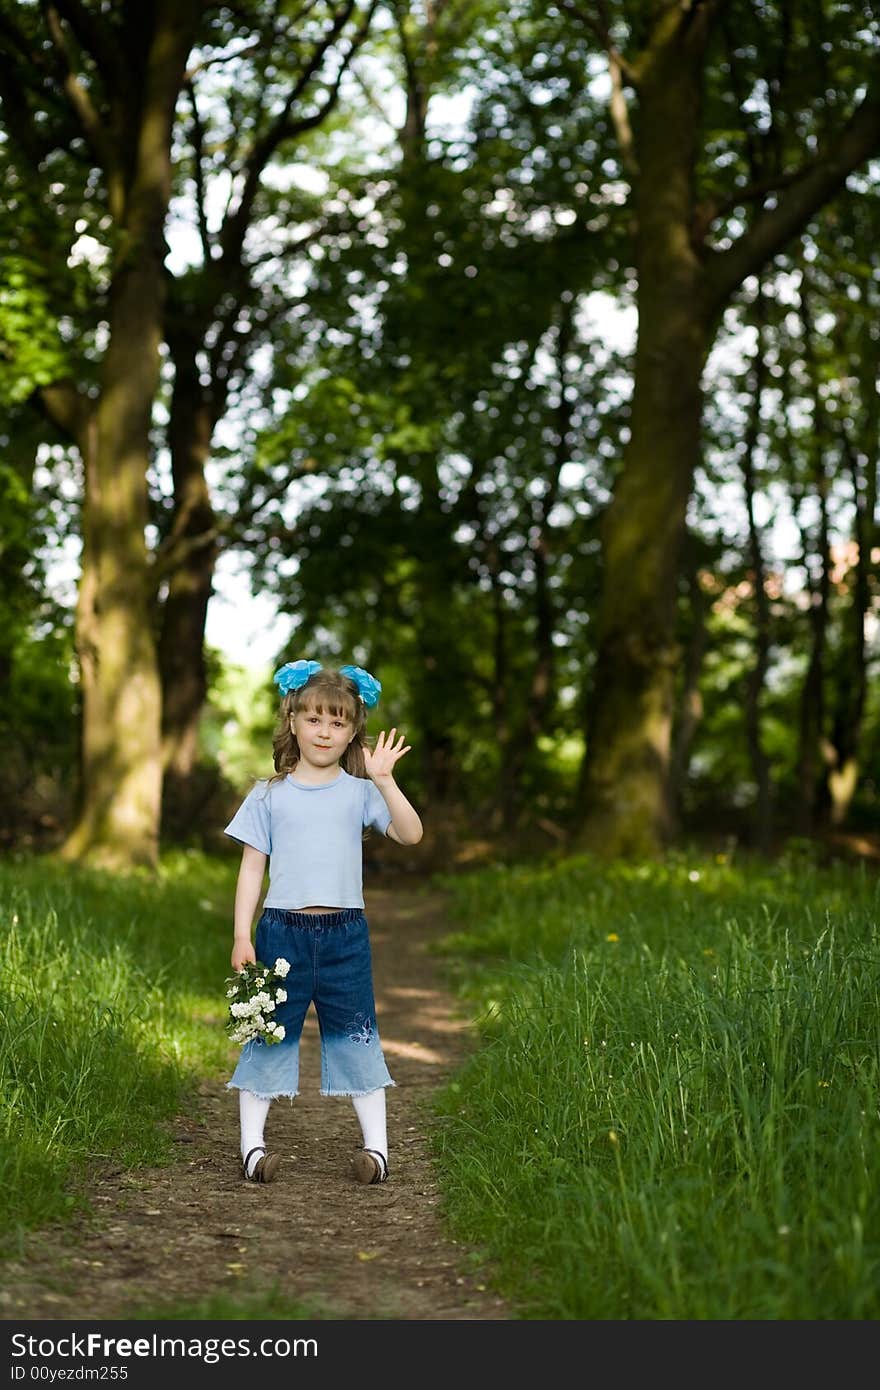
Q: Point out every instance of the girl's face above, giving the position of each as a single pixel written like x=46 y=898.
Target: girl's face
x=322 y=736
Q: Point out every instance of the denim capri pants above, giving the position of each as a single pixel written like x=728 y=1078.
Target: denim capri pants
x=330 y=965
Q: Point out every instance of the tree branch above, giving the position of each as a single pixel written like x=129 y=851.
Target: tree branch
x=78 y=97
x=284 y=128
x=199 y=173
x=220 y=59
x=67 y=408
x=809 y=189
x=23 y=78
x=173 y=553
x=598 y=22
x=96 y=39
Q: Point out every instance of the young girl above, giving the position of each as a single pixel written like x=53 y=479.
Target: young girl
x=308 y=822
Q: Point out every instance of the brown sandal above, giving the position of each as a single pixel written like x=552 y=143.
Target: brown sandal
x=369 y=1166
x=265 y=1168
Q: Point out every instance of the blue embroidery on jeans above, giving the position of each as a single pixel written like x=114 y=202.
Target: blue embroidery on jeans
x=360 y=1030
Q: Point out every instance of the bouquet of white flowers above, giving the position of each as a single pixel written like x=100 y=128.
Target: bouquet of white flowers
x=253 y=995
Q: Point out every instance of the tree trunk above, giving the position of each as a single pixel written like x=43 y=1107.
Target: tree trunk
x=627 y=808
x=628 y=739
x=118 y=821
x=523 y=738
x=690 y=705
x=437 y=682
x=16 y=493
x=504 y=810
x=812 y=712
x=683 y=287
x=439 y=678
x=190 y=583
x=812 y=704
x=851 y=675
x=757 y=677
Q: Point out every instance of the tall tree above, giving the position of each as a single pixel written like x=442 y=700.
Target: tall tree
x=755 y=685
x=260 y=79
x=264 y=80
x=852 y=349
x=103 y=83
x=692 y=256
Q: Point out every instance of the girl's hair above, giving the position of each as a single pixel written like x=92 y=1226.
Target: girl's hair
x=325 y=691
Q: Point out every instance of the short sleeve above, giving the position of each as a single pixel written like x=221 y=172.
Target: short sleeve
x=252 y=822
x=376 y=811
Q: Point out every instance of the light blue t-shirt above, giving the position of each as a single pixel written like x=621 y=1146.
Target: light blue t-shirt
x=313 y=837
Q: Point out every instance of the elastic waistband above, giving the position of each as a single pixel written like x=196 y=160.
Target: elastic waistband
x=289 y=917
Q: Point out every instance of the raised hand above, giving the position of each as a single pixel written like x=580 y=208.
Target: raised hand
x=380 y=760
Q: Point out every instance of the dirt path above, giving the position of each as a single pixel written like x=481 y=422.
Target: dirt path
x=176 y=1235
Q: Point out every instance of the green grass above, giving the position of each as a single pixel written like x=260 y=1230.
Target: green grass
x=672 y=1113
x=110 y=1007
x=674 y=1110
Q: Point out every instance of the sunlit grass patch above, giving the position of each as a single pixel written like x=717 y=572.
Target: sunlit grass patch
x=674 y=1110
x=110 y=1004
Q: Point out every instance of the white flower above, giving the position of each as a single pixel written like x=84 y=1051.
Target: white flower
x=281 y=967
x=253 y=996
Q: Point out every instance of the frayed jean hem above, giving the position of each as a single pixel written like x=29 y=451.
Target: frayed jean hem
x=355 y=1094
x=262 y=1095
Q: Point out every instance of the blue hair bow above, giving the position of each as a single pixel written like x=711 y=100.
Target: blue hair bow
x=295 y=674
x=369 y=688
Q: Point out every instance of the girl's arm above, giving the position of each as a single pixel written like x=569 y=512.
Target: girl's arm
x=405 y=827
x=248 y=888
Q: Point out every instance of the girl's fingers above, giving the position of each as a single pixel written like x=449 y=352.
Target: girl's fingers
x=389 y=745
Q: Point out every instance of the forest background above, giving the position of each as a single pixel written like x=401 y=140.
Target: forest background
x=524 y=354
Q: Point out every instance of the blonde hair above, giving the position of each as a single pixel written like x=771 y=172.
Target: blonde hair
x=326 y=691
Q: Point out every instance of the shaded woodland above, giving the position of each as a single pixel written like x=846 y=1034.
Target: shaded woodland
x=527 y=354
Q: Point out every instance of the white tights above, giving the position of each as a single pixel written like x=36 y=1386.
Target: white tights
x=370 y=1111
x=252 y=1112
